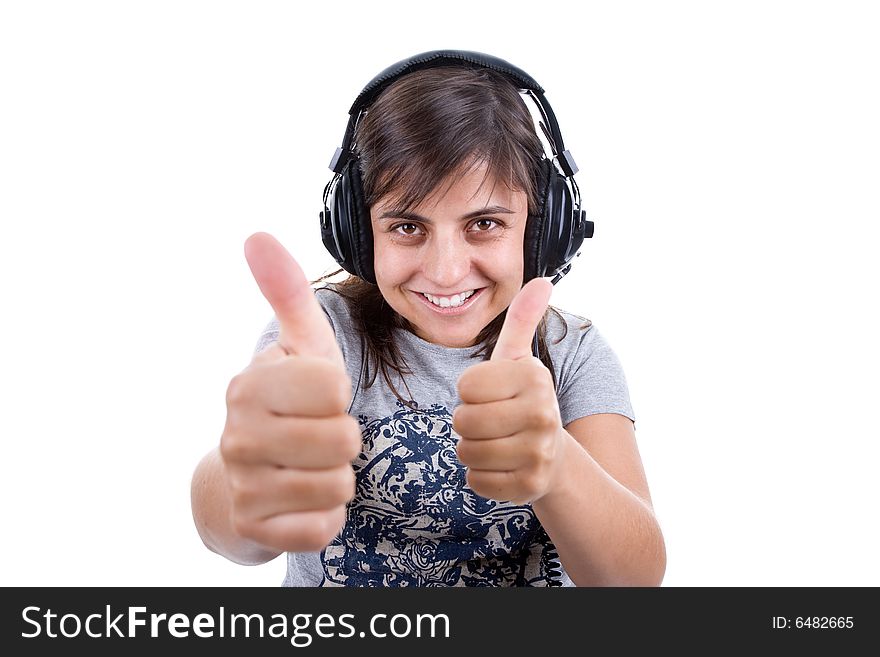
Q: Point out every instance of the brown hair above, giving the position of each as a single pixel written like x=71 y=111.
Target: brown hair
x=426 y=129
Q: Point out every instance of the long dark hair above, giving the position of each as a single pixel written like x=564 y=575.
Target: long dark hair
x=426 y=129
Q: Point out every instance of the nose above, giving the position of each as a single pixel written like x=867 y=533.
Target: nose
x=446 y=260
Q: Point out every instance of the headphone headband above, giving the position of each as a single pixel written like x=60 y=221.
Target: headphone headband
x=462 y=58
x=435 y=59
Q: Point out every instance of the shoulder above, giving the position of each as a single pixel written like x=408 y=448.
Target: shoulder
x=578 y=349
x=568 y=332
x=590 y=375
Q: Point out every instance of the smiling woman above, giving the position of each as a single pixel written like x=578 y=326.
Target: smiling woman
x=511 y=461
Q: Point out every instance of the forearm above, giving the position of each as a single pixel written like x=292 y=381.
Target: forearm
x=605 y=535
x=211 y=507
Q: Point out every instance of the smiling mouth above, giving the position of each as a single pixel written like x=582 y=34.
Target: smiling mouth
x=449 y=302
x=451 y=305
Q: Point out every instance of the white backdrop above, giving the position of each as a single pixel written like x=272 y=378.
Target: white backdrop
x=728 y=155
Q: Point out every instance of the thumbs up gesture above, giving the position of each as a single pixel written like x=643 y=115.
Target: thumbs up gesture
x=509 y=423
x=288 y=441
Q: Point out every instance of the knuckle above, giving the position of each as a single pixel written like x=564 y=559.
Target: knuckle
x=308 y=542
x=233 y=479
x=352 y=439
x=336 y=520
x=475 y=378
x=462 y=450
x=339 y=488
x=243 y=494
x=337 y=385
x=536 y=451
x=483 y=486
x=550 y=415
x=459 y=417
x=534 y=414
x=548 y=392
x=464 y=384
x=238 y=392
x=538 y=374
x=543 y=415
x=232 y=447
x=545 y=451
x=325 y=528
x=474 y=481
x=311 y=539
x=352 y=481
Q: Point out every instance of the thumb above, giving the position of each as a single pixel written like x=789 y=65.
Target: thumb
x=521 y=322
x=304 y=327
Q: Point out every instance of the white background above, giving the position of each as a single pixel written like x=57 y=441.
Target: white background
x=728 y=155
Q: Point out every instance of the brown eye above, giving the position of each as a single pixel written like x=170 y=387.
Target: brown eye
x=483 y=225
x=406 y=229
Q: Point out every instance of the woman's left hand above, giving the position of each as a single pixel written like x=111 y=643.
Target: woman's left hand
x=510 y=429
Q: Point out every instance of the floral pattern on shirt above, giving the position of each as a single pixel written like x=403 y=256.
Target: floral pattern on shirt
x=415 y=522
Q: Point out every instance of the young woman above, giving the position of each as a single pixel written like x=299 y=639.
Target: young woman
x=430 y=421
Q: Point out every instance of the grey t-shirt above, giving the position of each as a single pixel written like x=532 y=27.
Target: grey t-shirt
x=413 y=520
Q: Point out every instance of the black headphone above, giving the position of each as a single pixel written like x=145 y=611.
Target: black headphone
x=552 y=237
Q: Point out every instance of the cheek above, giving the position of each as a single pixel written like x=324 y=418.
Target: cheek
x=389 y=264
x=508 y=265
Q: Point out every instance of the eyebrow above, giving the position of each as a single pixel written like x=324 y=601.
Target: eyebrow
x=412 y=216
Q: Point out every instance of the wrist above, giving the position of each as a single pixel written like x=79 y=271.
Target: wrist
x=568 y=451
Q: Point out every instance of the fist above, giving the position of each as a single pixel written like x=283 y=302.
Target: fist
x=508 y=422
x=288 y=442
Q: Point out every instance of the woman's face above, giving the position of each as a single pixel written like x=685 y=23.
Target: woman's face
x=468 y=241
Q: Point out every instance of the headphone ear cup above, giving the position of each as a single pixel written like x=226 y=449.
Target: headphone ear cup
x=345 y=226
x=533 y=241
x=361 y=227
x=331 y=234
x=563 y=229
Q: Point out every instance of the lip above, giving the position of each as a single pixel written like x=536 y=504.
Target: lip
x=463 y=308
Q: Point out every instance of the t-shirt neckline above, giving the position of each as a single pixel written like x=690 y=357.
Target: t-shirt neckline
x=438 y=349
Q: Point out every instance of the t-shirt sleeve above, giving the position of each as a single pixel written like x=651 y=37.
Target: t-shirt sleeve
x=590 y=378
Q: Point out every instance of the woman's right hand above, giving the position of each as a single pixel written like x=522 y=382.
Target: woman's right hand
x=288 y=442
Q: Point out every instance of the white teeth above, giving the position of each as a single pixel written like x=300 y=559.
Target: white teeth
x=449 y=302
